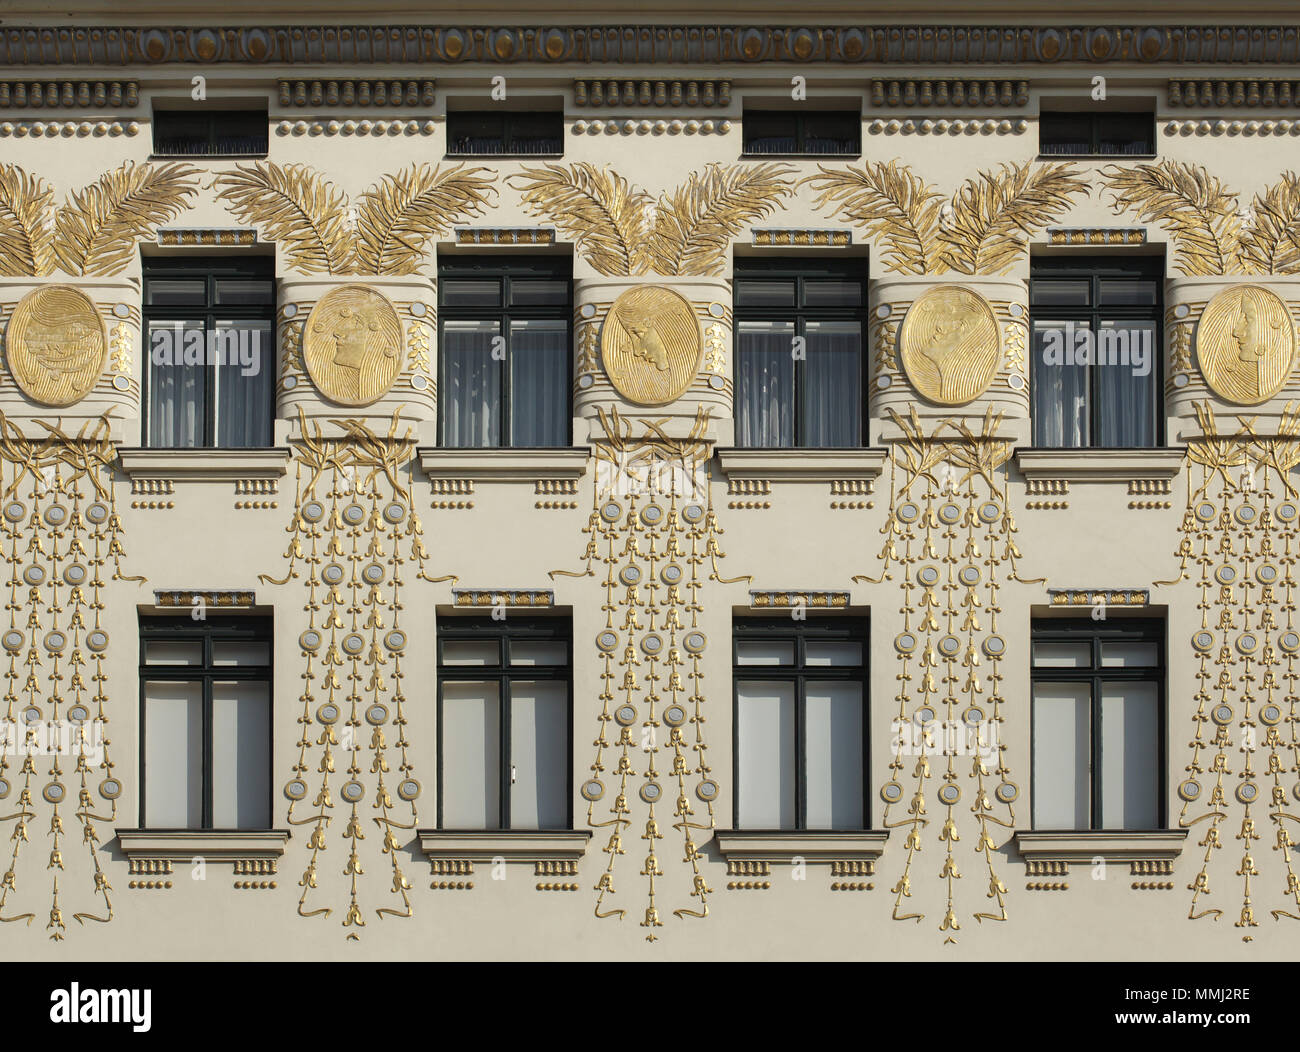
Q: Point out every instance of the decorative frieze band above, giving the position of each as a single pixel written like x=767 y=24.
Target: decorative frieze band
x=517 y=235
x=949 y=93
x=1234 y=93
x=229 y=599
x=489 y=597
x=207 y=237
x=68 y=129
x=398 y=127
x=627 y=126
x=941 y=126
x=652 y=92
x=773 y=238
x=1099 y=596
x=356 y=93
x=1232 y=128
x=17 y=94
x=812 y=600
x=944 y=45
x=1097 y=235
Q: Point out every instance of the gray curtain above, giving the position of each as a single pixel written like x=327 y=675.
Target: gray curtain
x=764 y=384
x=244 y=391
x=831 y=393
x=539 y=383
x=469 y=396
x=1060 y=391
x=1127 y=399
x=176 y=390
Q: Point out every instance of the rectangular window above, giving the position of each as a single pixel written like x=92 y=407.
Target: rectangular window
x=1097 y=343
x=799 y=353
x=205 y=699
x=800 y=729
x=210 y=133
x=1098 y=724
x=1096 y=133
x=210 y=326
x=811 y=133
x=505 y=724
x=504 y=355
x=492 y=133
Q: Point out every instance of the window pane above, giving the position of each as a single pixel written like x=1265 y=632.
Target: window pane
x=1063 y=655
x=244 y=291
x=479 y=292
x=765 y=292
x=240 y=652
x=764 y=652
x=1128 y=292
x=1061 y=755
x=471 y=756
x=173 y=755
x=1126 y=384
x=1060 y=292
x=476 y=133
x=764 y=384
x=176 y=292
x=244 y=372
x=1064 y=133
x=538 y=652
x=831 y=393
x=241 y=754
x=471 y=652
x=177 y=384
x=173 y=652
x=533 y=133
x=765 y=742
x=1130 y=756
x=539 y=383
x=832 y=133
x=470 y=392
x=531 y=292
x=1125 y=133
x=834 y=755
x=1129 y=655
x=1060 y=385
x=823 y=653
x=769 y=132
x=832 y=292
x=539 y=755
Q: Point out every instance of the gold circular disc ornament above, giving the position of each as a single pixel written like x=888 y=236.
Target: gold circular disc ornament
x=1245 y=344
x=949 y=345
x=650 y=345
x=352 y=345
x=56 y=345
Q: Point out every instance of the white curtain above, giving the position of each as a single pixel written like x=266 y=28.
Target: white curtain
x=539 y=383
x=764 y=384
x=469 y=397
x=832 y=396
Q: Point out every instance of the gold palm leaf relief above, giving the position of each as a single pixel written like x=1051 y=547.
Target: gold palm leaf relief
x=891 y=204
x=1194 y=207
x=96 y=230
x=26 y=202
x=1271 y=243
x=397 y=216
x=298 y=209
x=597 y=208
x=694 y=226
x=996 y=212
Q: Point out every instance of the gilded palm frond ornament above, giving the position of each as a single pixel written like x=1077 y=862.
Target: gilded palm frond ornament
x=622 y=231
x=307 y=216
x=94 y=233
x=984 y=228
x=950 y=542
x=1240 y=536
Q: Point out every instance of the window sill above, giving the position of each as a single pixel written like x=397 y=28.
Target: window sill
x=204 y=465
x=1099 y=465
x=181 y=845
x=744 y=845
x=1159 y=845
x=801 y=465
x=504 y=465
x=532 y=845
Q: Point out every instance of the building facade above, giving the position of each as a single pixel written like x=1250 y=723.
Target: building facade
x=650 y=485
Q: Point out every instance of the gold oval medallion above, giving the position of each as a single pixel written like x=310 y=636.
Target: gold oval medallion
x=1245 y=344
x=56 y=345
x=949 y=345
x=650 y=345
x=352 y=345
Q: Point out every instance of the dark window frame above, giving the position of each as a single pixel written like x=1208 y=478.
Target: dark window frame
x=505 y=269
x=1097 y=120
x=211 y=269
x=1096 y=269
x=1113 y=630
x=801 y=118
x=512 y=122
x=822 y=629
x=217 y=628
x=212 y=118
x=548 y=629
x=854 y=268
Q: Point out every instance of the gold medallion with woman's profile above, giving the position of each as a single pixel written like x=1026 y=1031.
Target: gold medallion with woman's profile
x=1245 y=344
x=949 y=345
x=352 y=345
x=650 y=345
